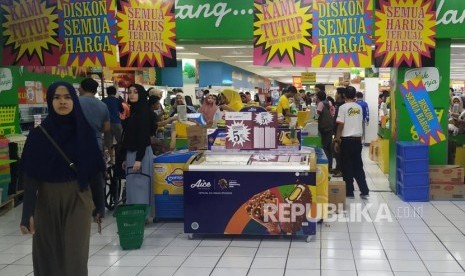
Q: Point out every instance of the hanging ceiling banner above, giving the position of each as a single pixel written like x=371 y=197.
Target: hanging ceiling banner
x=87 y=33
x=30 y=33
x=405 y=33
x=146 y=33
x=282 y=33
x=342 y=33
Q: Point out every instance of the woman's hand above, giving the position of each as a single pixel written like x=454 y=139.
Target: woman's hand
x=31 y=229
x=136 y=166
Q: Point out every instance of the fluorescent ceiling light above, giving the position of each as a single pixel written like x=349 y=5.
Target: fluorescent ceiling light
x=237 y=56
x=457 y=46
x=179 y=48
x=226 y=47
x=244 y=61
x=187 y=53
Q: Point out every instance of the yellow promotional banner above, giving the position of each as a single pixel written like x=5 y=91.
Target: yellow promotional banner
x=405 y=33
x=30 y=32
x=87 y=33
x=341 y=33
x=282 y=33
x=308 y=77
x=146 y=33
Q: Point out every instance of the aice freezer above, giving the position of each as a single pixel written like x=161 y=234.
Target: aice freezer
x=251 y=193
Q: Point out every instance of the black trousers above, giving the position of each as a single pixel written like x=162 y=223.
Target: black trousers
x=326 y=143
x=352 y=166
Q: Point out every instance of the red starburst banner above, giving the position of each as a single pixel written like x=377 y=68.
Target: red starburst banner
x=30 y=33
x=146 y=33
x=405 y=33
x=282 y=33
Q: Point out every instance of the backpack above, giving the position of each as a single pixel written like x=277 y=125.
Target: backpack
x=325 y=120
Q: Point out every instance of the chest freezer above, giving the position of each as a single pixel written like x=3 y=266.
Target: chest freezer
x=251 y=193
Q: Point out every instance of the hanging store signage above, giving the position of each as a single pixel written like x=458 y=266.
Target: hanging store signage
x=87 y=33
x=146 y=34
x=282 y=33
x=30 y=33
x=429 y=75
x=421 y=111
x=405 y=33
x=450 y=20
x=342 y=33
x=308 y=77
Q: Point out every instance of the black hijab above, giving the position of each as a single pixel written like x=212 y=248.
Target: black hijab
x=72 y=132
x=143 y=103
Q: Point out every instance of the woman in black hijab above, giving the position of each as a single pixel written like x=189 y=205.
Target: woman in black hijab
x=58 y=201
x=136 y=142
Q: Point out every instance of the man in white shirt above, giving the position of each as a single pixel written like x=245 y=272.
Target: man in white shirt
x=349 y=142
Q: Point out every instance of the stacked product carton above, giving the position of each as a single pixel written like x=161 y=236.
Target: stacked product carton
x=446 y=182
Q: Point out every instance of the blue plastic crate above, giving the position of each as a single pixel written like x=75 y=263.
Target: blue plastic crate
x=412 y=150
x=413 y=194
x=413 y=165
x=413 y=179
x=169 y=206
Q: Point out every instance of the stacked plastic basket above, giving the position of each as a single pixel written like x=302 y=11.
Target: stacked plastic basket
x=412 y=171
x=5 y=176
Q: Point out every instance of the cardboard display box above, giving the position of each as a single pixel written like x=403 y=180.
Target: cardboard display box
x=446 y=174
x=446 y=191
x=374 y=151
x=337 y=192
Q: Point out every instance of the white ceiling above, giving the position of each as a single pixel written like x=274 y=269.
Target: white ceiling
x=241 y=56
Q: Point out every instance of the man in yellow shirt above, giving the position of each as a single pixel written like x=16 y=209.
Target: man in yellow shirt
x=284 y=106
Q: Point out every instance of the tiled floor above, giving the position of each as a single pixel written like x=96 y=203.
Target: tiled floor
x=421 y=239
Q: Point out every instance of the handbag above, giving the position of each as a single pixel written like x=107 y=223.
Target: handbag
x=57 y=147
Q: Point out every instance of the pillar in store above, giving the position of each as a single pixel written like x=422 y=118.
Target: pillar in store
x=401 y=125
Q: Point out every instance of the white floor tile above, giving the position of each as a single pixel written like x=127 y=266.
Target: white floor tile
x=232 y=262
x=16 y=270
x=27 y=260
x=369 y=254
x=337 y=264
x=96 y=270
x=272 y=252
x=303 y=263
x=267 y=272
x=372 y=265
x=228 y=271
x=443 y=266
x=240 y=251
x=375 y=272
x=7 y=259
x=338 y=273
x=216 y=243
x=407 y=266
x=245 y=243
x=165 y=271
x=331 y=253
x=337 y=244
x=208 y=251
x=435 y=255
x=189 y=271
x=195 y=261
x=172 y=261
x=106 y=261
x=177 y=251
x=269 y=263
x=134 y=261
x=122 y=271
x=275 y=243
x=304 y=252
x=300 y=272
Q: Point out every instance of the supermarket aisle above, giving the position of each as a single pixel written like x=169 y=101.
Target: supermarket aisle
x=395 y=238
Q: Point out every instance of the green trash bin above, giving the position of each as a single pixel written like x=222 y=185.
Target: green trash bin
x=130 y=219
